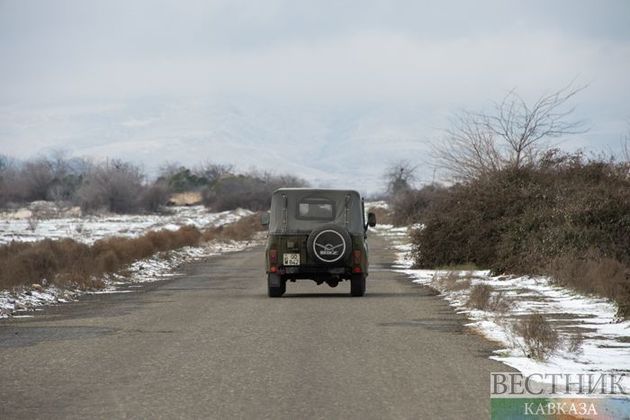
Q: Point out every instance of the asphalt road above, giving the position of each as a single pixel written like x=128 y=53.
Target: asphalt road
x=210 y=344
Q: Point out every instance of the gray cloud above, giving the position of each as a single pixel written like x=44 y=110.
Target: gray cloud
x=117 y=77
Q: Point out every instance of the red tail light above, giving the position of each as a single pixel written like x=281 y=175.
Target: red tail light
x=356 y=260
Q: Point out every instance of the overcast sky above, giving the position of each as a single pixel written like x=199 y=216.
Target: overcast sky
x=283 y=85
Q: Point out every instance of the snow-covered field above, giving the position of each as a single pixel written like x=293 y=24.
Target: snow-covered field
x=606 y=339
x=24 y=225
x=15 y=226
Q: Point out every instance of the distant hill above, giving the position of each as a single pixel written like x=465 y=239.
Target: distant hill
x=328 y=145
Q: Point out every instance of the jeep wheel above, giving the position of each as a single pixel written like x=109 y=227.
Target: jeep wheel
x=357 y=285
x=276 y=286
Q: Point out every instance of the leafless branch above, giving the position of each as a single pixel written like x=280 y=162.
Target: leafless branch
x=400 y=176
x=625 y=146
x=513 y=134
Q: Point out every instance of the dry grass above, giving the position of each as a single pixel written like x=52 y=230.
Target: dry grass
x=453 y=281
x=483 y=298
x=69 y=263
x=242 y=230
x=480 y=296
x=575 y=342
x=591 y=273
x=540 y=338
x=459 y=267
x=499 y=303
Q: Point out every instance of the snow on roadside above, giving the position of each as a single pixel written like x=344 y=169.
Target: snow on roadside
x=22 y=302
x=16 y=226
x=606 y=339
x=158 y=267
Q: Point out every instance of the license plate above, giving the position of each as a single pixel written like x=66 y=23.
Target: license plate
x=291 y=259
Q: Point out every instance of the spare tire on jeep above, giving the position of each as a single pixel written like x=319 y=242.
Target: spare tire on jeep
x=329 y=244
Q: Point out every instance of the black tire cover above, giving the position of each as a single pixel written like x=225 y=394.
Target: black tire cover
x=329 y=244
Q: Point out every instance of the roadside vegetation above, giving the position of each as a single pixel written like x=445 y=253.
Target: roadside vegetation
x=250 y=190
x=535 y=334
x=121 y=187
x=116 y=186
x=68 y=263
x=516 y=205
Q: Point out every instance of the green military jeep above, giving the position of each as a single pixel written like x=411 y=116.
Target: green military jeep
x=317 y=234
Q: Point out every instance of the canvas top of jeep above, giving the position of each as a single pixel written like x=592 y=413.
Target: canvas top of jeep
x=300 y=210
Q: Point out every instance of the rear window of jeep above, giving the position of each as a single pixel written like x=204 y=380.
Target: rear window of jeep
x=316 y=209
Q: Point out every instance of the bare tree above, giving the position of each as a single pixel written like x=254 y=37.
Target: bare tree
x=469 y=149
x=37 y=176
x=625 y=146
x=168 y=169
x=115 y=185
x=251 y=190
x=67 y=174
x=213 y=171
x=513 y=134
x=7 y=179
x=400 y=177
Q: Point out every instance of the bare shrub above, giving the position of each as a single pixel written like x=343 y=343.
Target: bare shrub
x=178 y=178
x=452 y=281
x=567 y=217
x=212 y=172
x=540 y=338
x=32 y=223
x=463 y=283
x=114 y=185
x=445 y=280
x=499 y=302
x=575 y=342
x=249 y=191
x=480 y=296
x=623 y=299
x=8 y=181
x=14 y=187
x=154 y=197
x=54 y=177
x=409 y=206
x=590 y=272
x=37 y=176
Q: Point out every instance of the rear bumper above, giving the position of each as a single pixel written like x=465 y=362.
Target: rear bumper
x=310 y=272
x=305 y=269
